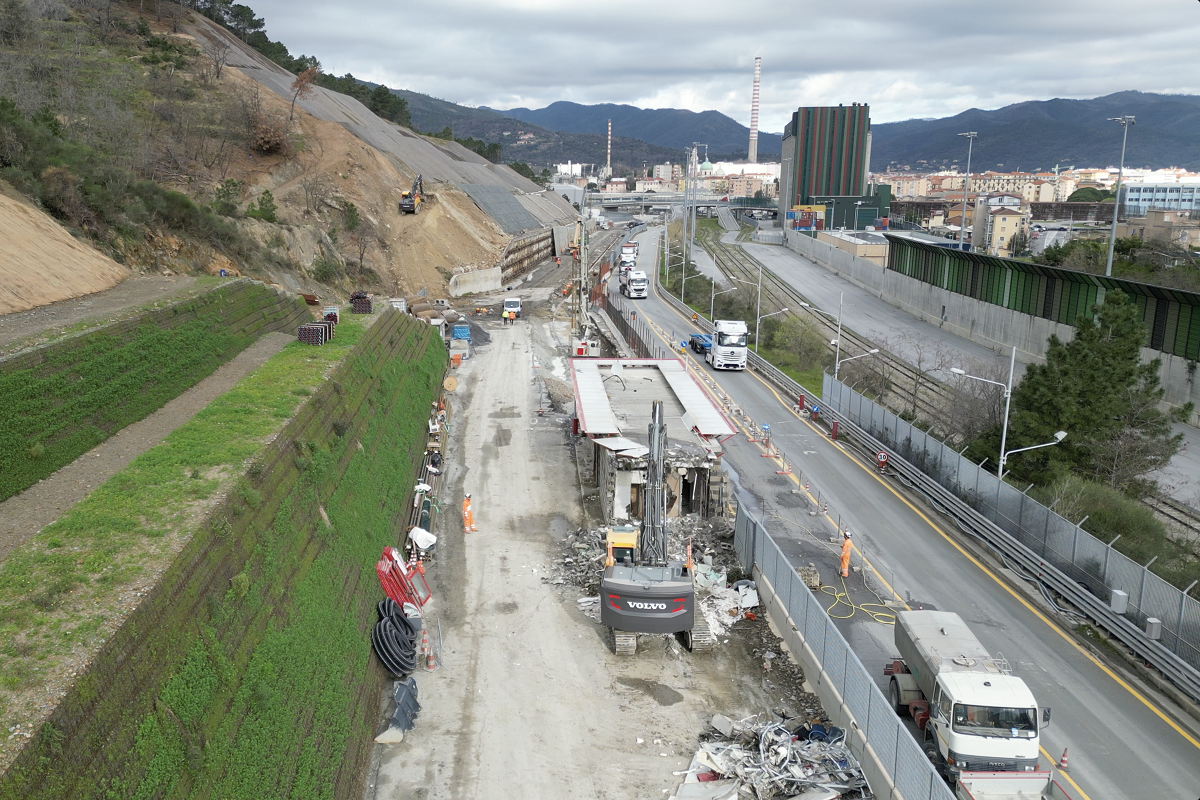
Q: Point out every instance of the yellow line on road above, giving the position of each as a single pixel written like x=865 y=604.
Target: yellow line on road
x=1032 y=609
x=1054 y=769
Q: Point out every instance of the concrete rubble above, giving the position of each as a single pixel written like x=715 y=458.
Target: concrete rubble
x=751 y=758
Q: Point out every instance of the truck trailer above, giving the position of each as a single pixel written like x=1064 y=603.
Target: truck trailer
x=975 y=714
x=628 y=254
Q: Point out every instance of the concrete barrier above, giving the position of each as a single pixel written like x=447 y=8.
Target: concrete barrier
x=988 y=324
x=480 y=280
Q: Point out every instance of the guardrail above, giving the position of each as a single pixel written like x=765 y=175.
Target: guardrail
x=894 y=764
x=970 y=521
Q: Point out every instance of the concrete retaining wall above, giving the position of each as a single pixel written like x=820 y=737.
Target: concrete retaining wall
x=988 y=324
x=480 y=280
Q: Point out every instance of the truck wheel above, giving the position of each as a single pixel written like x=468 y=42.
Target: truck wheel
x=894 y=698
x=931 y=752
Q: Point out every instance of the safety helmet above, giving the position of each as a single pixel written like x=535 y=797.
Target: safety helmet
x=847 y=532
x=468 y=495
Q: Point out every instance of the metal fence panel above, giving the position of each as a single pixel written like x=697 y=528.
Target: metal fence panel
x=884 y=729
x=858 y=689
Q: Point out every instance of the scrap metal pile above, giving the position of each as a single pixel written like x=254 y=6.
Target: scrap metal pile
x=766 y=760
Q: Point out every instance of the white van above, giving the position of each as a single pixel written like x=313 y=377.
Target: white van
x=513 y=306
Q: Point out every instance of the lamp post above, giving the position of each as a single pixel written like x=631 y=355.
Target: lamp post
x=758 y=322
x=832 y=214
x=851 y=358
x=712 y=301
x=837 y=343
x=962 y=237
x=1058 y=437
x=857 y=204
x=1012 y=364
x=1125 y=122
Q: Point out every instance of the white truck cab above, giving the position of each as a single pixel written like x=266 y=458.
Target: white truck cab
x=635 y=284
x=728 y=350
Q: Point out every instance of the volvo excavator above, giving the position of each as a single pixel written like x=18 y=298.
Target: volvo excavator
x=641 y=591
x=410 y=201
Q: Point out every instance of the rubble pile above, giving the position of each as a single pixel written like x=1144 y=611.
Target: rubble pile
x=584 y=552
x=751 y=758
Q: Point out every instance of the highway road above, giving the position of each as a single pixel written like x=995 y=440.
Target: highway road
x=1121 y=743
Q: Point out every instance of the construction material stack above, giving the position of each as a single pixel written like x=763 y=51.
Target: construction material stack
x=642 y=591
x=318 y=332
x=360 y=303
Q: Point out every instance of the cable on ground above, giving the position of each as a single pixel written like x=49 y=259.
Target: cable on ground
x=842 y=598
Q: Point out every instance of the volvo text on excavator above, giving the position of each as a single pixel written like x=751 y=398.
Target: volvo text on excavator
x=641 y=591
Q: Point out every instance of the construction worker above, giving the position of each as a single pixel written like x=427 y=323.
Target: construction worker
x=847 y=547
x=468 y=515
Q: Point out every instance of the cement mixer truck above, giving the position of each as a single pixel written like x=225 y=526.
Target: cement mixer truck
x=975 y=714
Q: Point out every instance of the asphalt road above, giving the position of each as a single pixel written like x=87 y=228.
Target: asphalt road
x=1120 y=744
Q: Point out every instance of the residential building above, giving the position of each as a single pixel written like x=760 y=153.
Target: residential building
x=999 y=224
x=665 y=172
x=743 y=185
x=1163 y=225
x=614 y=186
x=826 y=153
x=651 y=185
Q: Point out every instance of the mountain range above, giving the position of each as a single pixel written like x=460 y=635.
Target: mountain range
x=1034 y=135
x=1037 y=135
x=672 y=128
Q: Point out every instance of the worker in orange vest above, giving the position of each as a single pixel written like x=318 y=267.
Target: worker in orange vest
x=847 y=547
x=468 y=515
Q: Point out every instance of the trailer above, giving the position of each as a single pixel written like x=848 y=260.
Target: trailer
x=701 y=343
x=1009 y=786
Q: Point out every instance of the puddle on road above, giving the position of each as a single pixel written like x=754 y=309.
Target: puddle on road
x=507 y=412
x=663 y=695
x=507 y=607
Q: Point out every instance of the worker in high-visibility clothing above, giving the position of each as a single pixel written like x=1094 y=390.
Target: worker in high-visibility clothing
x=847 y=547
x=468 y=515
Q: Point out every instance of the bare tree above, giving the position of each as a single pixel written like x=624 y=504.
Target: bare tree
x=975 y=406
x=363 y=238
x=925 y=357
x=220 y=57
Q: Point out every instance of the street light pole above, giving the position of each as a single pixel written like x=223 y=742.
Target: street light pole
x=962 y=232
x=1012 y=365
x=759 y=321
x=837 y=344
x=1125 y=122
x=857 y=205
x=712 y=301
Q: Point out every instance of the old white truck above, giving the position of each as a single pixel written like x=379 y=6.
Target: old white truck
x=975 y=714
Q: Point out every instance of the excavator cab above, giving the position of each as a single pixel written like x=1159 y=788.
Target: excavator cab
x=622 y=544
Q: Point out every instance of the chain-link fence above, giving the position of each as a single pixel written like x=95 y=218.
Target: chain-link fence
x=854 y=693
x=1084 y=558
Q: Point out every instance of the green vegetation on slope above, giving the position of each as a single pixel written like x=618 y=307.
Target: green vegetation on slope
x=90 y=387
x=260 y=684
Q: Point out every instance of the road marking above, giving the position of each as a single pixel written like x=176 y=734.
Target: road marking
x=1054 y=769
x=1013 y=592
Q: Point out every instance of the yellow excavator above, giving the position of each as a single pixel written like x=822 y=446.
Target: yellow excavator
x=641 y=590
x=410 y=201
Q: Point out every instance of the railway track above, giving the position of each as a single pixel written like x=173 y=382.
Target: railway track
x=932 y=398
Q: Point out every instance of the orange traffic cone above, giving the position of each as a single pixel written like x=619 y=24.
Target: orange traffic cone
x=1062 y=762
x=430 y=662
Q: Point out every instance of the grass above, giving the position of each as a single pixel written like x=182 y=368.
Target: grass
x=271 y=691
x=57 y=590
x=90 y=387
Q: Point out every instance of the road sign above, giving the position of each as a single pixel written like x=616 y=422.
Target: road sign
x=882 y=458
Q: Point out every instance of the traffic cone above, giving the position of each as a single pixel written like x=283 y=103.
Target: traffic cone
x=430 y=661
x=1062 y=762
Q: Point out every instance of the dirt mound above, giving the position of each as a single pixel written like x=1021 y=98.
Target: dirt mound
x=40 y=263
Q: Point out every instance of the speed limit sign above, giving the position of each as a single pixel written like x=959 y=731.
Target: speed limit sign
x=881 y=459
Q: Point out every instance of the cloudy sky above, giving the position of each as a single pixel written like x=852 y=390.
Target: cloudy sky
x=930 y=58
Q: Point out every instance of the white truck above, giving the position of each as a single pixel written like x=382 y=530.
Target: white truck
x=975 y=714
x=728 y=348
x=635 y=284
x=628 y=254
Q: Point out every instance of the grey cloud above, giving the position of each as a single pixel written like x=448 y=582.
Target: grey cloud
x=927 y=59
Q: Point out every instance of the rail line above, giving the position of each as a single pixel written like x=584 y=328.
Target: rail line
x=932 y=398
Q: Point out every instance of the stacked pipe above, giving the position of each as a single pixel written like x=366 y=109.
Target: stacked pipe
x=318 y=332
x=360 y=303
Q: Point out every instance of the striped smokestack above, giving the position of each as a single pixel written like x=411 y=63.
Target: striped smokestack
x=608 y=163
x=752 y=155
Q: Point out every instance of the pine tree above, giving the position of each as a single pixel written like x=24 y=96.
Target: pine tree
x=1097 y=390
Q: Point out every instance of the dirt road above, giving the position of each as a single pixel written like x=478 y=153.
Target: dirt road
x=531 y=702
x=18 y=328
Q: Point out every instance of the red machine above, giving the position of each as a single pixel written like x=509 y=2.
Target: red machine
x=402 y=580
